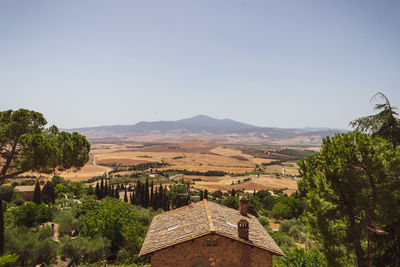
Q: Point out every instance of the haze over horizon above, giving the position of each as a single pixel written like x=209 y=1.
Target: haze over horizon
x=285 y=64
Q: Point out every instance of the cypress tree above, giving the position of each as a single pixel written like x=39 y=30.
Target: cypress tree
x=233 y=193
x=48 y=193
x=146 y=192
x=106 y=189
x=97 y=191
x=133 y=198
x=156 y=199
x=201 y=195
x=37 y=198
x=116 y=193
x=102 y=188
x=110 y=193
x=152 y=194
x=254 y=193
x=125 y=196
x=160 y=197
x=138 y=190
x=206 y=194
x=1 y=228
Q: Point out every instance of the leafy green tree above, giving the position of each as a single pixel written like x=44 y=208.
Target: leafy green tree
x=37 y=194
x=178 y=195
x=385 y=124
x=112 y=219
x=350 y=184
x=299 y=257
x=6 y=193
x=281 y=211
x=31 y=214
x=231 y=202
x=254 y=205
x=27 y=145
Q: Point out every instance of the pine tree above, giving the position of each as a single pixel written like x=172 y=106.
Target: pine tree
x=102 y=189
x=125 y=196
x=1 y=228
x=201 y=195
x=37 y=194
x=97 y=191
x=206 y=194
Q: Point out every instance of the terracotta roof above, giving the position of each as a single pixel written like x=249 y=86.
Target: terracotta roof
x=199 y=219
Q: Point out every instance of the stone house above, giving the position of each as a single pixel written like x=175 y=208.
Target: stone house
x=206 y=234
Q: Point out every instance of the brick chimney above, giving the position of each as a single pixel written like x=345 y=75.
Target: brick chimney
x=243 y=229
x=243 y=206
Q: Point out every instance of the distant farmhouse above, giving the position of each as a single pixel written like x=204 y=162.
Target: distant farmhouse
x=206 y=234
x=26 y=190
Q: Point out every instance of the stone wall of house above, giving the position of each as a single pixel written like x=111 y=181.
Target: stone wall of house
x=212 y=250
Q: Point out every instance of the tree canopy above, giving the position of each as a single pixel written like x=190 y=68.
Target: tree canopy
x=385 y=124
x=25 y=144
x=352 y=183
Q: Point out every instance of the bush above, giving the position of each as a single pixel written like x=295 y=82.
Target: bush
x=282 y=239
x=295 y=229
x=263 y=220
x=18 y=201
x=67 y=223
x=84 y=250
x=301 y=257
x=8 y=260
x=32 y=248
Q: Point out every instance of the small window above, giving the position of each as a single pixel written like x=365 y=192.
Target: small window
x=231 y=224
x=208 y=242
x=214 y=242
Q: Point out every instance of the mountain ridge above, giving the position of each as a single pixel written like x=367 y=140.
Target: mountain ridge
x=209 y=129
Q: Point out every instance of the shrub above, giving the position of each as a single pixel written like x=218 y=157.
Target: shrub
x=8 y=260
x=301 y=257
x=84 y=250
x=32 y=248
x=263 y=220
x=282 y=239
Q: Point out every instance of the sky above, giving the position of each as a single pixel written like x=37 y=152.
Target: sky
x=280 y=63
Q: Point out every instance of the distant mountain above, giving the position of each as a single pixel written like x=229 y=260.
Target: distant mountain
x=197 y=124
x=203 y=127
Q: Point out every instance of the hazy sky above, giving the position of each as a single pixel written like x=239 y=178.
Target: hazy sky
x=269 y=63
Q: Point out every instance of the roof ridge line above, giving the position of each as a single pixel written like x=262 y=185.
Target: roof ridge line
x=209 y=220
